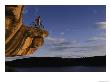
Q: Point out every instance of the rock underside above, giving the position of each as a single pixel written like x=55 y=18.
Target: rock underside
x=20 y=40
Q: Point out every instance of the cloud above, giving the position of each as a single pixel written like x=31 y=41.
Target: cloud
x=96 y=38
x=62 y=33
x=60 y=44
x=101 y=25
x=59 y=41
x=55 y=40
x=73 y=47
x=62 y=47
x=65 y=43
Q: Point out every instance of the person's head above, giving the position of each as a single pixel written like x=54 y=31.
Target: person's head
x=38 y=16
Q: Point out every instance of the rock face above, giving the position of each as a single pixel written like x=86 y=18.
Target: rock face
x=20 y=40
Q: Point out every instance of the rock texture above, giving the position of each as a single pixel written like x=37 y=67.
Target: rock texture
x=20 y=40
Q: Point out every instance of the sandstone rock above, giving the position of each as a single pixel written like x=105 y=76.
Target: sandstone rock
x=20 y=40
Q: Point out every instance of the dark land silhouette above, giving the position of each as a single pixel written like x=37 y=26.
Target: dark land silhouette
x=96 y=61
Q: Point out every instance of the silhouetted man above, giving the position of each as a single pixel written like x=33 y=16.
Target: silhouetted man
x=38 y=21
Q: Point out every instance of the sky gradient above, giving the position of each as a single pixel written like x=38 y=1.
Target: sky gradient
x=74 y=30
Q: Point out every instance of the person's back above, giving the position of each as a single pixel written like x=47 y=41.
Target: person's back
x=38 y=21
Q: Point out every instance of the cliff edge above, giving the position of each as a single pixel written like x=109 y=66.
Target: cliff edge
x=20 y=40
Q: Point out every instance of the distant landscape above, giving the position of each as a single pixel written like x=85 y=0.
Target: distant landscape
x=34 y=62
x=70 y=38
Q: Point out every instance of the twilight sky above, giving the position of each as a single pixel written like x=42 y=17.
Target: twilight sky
x=74 y=31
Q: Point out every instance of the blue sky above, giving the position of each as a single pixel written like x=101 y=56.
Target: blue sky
x=74 y=30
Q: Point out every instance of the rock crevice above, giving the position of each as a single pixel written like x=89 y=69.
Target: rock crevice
x=20 y=40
